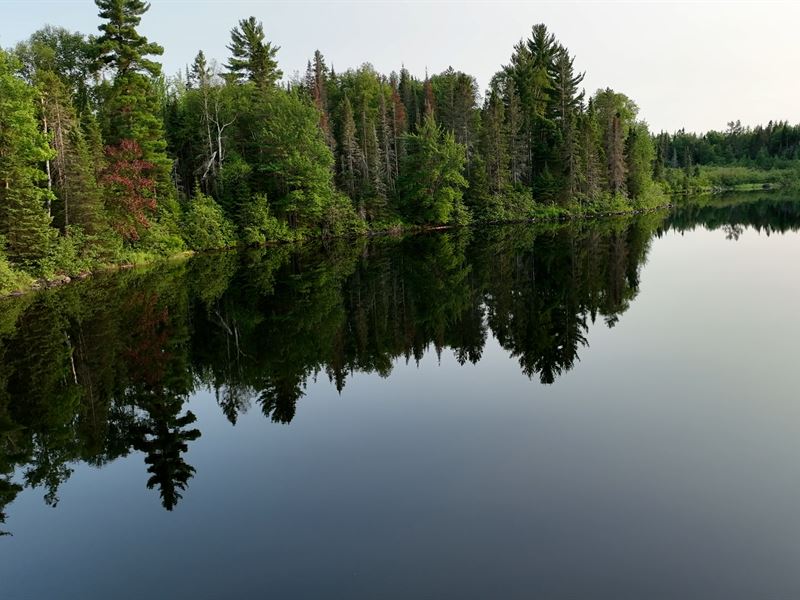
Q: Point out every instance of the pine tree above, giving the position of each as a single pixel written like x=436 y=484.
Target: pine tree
x=317 y=87
x=253 y=59
x=517 y=137
x=640 y=154
x=131 y=110
x=120 y=47
x=399 y=125
x=74 y=181
x=591 y=169
x=387 y=145
x=568 y=101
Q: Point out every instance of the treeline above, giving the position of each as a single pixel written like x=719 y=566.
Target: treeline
x=775 y=145
x=769 y=213
x=737 y=158
x=103 y=159
x=107 y=367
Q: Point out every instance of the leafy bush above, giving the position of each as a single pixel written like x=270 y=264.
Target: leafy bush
x=205 y=226
x=157 y=240
x=11 y=279
x=70 y=255
x=257 y=226
x=340 y=218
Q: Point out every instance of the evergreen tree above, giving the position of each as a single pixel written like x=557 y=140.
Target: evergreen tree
x=253 y=59
x=494 y=143
x=349 y=152
x=131 y=110
x=77 y=194
x=432 y=183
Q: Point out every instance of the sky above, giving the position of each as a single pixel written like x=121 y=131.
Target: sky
x=692 y=65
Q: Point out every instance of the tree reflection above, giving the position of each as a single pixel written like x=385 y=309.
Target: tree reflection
x=105 y=368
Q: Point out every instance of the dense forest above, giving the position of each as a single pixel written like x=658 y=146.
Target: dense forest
x=104 y=159
x=111 y=363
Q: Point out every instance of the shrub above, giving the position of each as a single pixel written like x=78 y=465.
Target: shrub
x=205 y=226
x=257 y=226
x=340 y=218
x=11 y=279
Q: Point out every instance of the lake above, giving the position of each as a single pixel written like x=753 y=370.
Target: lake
x=606 y=409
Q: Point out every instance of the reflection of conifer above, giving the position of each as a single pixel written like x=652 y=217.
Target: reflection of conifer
x=164 y=441
x=279 y=400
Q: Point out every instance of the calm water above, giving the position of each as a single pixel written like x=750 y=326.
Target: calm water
x=601 y=411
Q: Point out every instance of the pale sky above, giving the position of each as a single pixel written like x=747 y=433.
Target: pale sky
x=696 y=65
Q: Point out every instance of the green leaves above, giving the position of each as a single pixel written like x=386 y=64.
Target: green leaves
x=432 y=182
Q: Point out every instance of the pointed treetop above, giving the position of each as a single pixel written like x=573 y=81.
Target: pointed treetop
x=120 y=46
x=252 y=58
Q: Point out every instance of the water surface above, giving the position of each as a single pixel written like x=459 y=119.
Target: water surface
x=603 y=410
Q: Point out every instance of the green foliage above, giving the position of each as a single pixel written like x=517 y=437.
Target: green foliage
x=10 y=278
x=158 y=241
x=432 y=184
x=340 y=219
x=205 y=226
x=99 y=152
x=257 y=226
x=296 y=161
x=252 y=58
x=120 y=47
x=130 y=109
x=24 y=219
x=640 y=155
x=71 y=255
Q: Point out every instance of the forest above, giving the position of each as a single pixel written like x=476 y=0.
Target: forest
x=105 y=160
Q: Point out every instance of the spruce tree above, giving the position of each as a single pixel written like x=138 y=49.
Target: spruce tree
x=253 y=59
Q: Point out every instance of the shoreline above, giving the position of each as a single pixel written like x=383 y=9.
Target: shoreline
x=40 y=285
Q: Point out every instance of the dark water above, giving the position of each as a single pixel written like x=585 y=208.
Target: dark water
x=607 y=410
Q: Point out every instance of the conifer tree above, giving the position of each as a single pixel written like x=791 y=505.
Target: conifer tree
x=432 y=183
x=387 y=145
x=131 y=110
x=77 y=196
x=640 y=154
x=252 y=58
x=494 y=143
x=349 y=151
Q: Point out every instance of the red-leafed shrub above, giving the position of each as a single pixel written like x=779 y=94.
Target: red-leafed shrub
x=132 y=190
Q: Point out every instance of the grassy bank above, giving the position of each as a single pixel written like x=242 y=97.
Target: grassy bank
x=711 y=179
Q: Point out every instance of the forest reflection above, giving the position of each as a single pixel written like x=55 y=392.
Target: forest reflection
x=106 y=367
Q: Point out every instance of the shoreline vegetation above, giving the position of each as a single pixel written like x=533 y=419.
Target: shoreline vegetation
x=105 y=162
x=551 y=217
